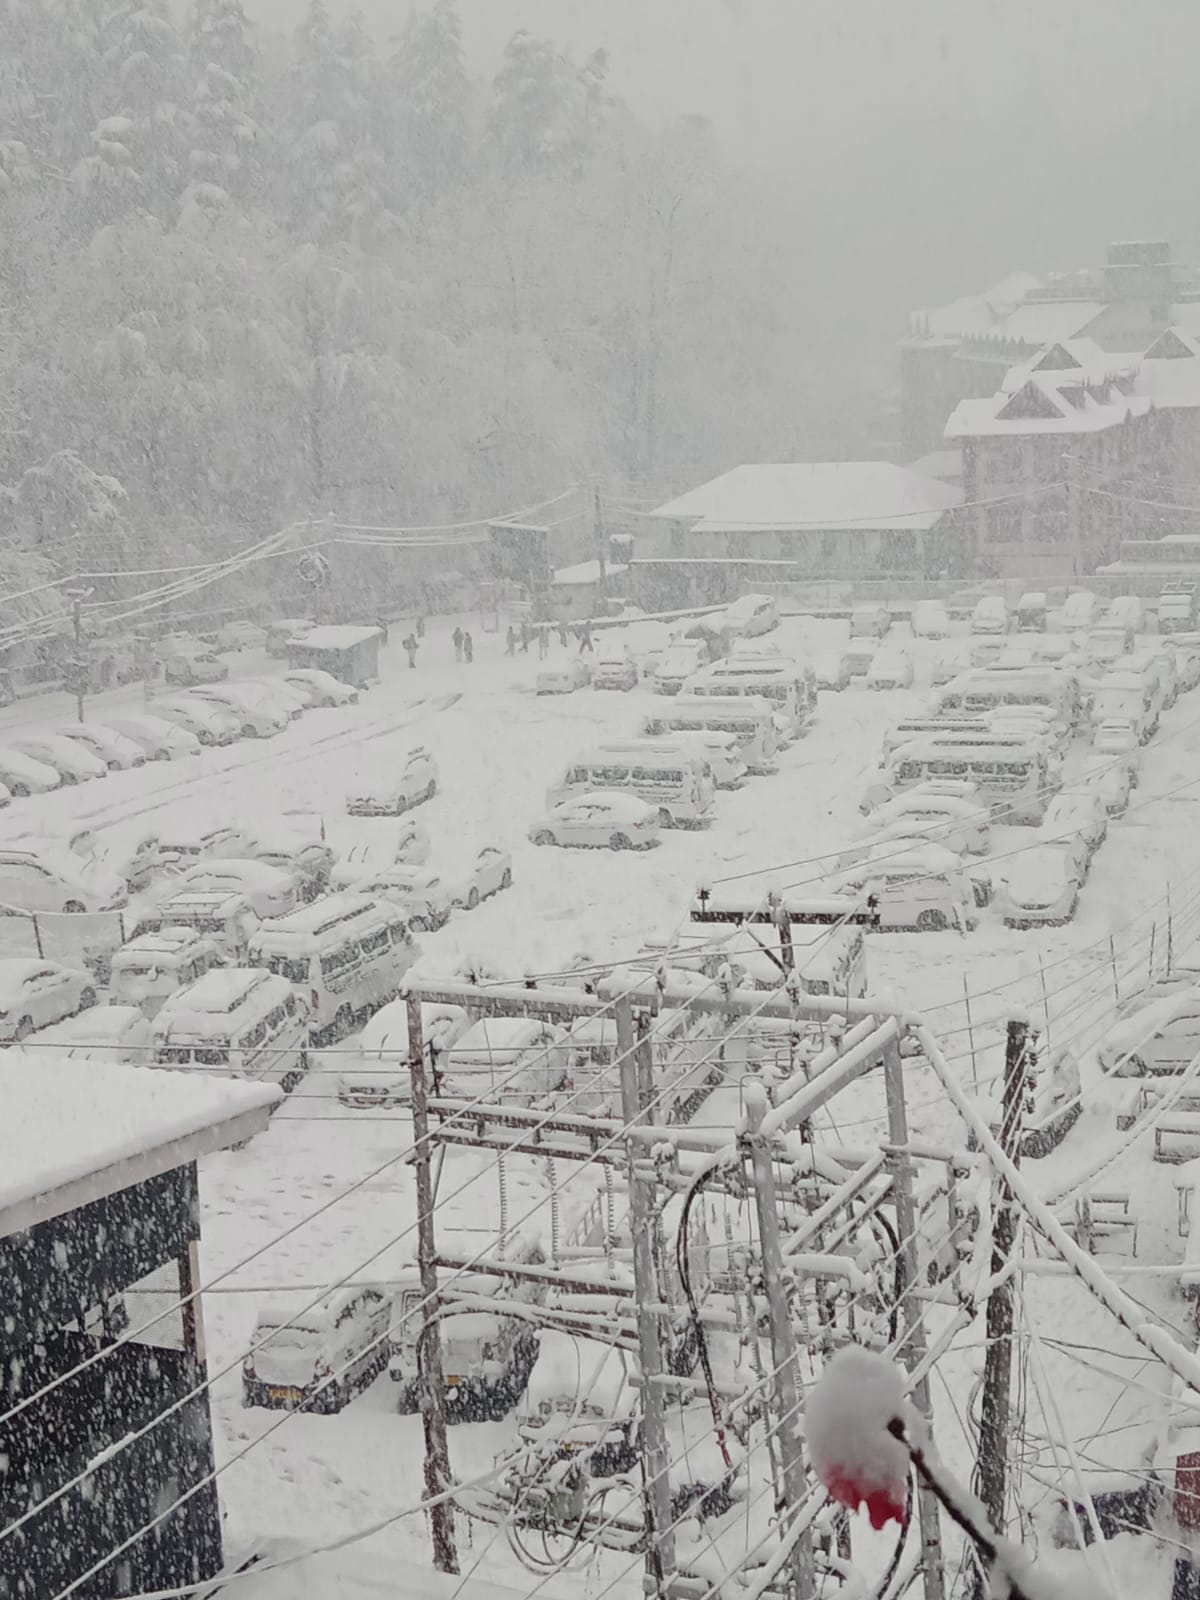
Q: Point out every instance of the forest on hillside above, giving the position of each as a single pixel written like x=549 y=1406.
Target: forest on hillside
x=246 y=279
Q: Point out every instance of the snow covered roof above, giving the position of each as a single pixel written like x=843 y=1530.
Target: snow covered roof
x=586 y=572
x=75 y=1131
x=946 y=465
x=813 y=494
x=335 y=637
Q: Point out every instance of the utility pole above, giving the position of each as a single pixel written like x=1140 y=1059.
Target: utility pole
x=997 y=1367
x=656 y=1481
x=598 y=529
x=432 y=1377
x=912 y=1309
x=783 y=1347
x=78 y=672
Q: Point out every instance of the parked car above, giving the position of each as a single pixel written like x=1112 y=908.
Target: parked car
x=1110 y=781
x=321 y=688
x=427 y=899
x=210 y=723
x=990 y=615
x=682 y=659
x=283 y=629
x=869 y=622
x=318 y=1359
x=181 y=845
x=890 y=669
x=404 y=846
x=35 y=993
x=1041 y=885
x=512 y=1059
x=117 y=752
x=6 y=796
x=752 y=614
x=488 y=874
x=241 y=636
x=959 y=825
x=915 y=884
x=1079 y=612
x=930 y=620
x=1159 y=1037
x=601 y=818
x=102 y=1033
x=71 y=761
x=832 y=671
x=288 y=843
x=269 y=891
x=615 y=670
x=382 y=1079
x=986 y=651
x=859 y=654
x=22 y=775
x=50 y=877
x=412 y=781
x=1031 y=612
x=251 y=706
x=161 y=739
x=1077 y=814
x=186 y=668
x=1114 y=737
x=563 y=678
x=943 y=670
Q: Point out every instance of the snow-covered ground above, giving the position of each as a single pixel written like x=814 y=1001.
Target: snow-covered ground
x=498 y=746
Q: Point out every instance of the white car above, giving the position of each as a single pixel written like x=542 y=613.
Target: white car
x=320 y=688
x=426 y=898
x=116 y=751
x=103 y=1033
x=986 y=651
x=160 y=739
x=71 y=761
x=181 y=846
x=602 y=818
x=1160 y=1037
x=490 y=872
x=317 y=1360
x=414 y=780
x=859 y=654
x=564 y=678
x=241 y=636
x=869 y=622
x=942 y=819
x=257 y=716
x=1111 y=780
x=270 y=892
x=294 y=845
x=1114 y=737
x=832 y=671
x=615 y=671
x=50 y=877
x=35 y=993
x=943 y=670
x=209 y=722
x=1077 y=814
x=1041 y=886
x=681 y=660
x=990 y=615
x=403 y=846
x=751 y=615
x=22 y=775
x=890 y=669
x=382 y=1079
x=930 y=620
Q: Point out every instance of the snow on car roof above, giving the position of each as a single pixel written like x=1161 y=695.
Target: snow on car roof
x=220 y=989
x=1140 y=1024
x=113 y=1126
x=1039 y=866
x=168 y=940
x=624 y=807
x=261 y=873
x=98 y=1025
x=567 y=1367
x=493 y=1037
x=14 y=970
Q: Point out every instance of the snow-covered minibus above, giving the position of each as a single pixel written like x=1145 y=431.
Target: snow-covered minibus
x=749 y=718
x=790 y=686
x=678 y=782
x=1014 y=777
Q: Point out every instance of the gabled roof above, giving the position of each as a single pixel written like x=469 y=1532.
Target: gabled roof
x=813 y=494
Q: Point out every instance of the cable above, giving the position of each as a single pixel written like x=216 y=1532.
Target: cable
x=451 y=527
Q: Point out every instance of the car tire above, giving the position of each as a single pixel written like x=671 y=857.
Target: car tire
x=74 y=907
x=421 y=924
x=23 y=1029
x=506 y=878
x=620 y=841
x=69 y=777
x=430 y=789
x=543 y=837
x=472 y=898
x=665 y=818
x=19 y=791
x=87 y=998
x=930 y=921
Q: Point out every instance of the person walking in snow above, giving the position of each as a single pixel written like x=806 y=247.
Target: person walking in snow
x=562 y=634
x=420 y=626
x=510 y=641
x=526 y=635
x=457 y=636
x=468 y=647
x=410 y=649
x=585 y=638
x=543 y=634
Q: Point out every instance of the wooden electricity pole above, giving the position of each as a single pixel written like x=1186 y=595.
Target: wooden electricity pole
x=997 y=1368
x=432 y=1377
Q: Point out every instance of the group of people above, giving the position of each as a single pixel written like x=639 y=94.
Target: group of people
x=527 y=633
x=464 y=645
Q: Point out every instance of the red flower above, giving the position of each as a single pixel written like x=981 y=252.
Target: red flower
x=882 y=1503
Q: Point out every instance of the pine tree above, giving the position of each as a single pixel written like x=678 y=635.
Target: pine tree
x=226 y=135
x=531 y=108
x=434 y=104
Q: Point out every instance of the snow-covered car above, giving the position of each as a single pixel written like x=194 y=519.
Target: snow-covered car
x=915 y=884
x=751 y=615
x=1079 y=612
x=414 y=780
x=103 y=1033
x=269 y=891
x=615 y=669
x=1077 y=814
x=6 y=796
x=50 y=877
x=241 y=636
x=210 y=723
x=35 y=993
x=1041 y=885
x=161 y=739
x=1109 y=779
x=320 y=688
x=1114 y=737
x=514 y=1059
x=832 y=670
x=869 y=622
x=859 y=654
x=960 y=825
x=890 y=669
x=1031 y=612
x=257 y=717
x=943 y=670
x=295 y=846
x=1158 y=1038
x=564 y=677
x=382 y=1079
x=281 y=629
x=404 y=846
x=987 y=650
x=22 y=775
x=318 y=1359
x=681 y=660
x=71 y=761
x=488 y=874
x=187 y=668
x=181 y=845
x=990 y=615
x=426 y=898
x=930 y=620
x=116 y=751
x=600 y=819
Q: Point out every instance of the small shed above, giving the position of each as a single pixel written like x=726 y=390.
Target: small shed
x=350 y=653
x=106 y=1450
x=578 y=591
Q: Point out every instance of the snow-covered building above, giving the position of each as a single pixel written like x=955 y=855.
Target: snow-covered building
x=960 y=351
x=792 y=521
x=106 y=1450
